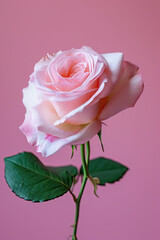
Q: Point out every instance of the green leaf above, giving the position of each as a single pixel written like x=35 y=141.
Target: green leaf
x=31 y=180
x=100 y=138
x=106 y=170
x=59 y=170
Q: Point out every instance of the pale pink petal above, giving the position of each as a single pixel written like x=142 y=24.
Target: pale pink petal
x=125 y=95
x=44 y=118
x=43 y=81
x=48 y=146
x=53 y=94
x=87 y=114
x=29 y=130
x=30 y=96
x=89 y=110
x=44 y=112
x=40 y=74
x=86 y=134
x=60 y=68
x=91 y=52
x=66 y=84
x=43 y=63
x=30 y=100
x=114 y=61
x=66 y=106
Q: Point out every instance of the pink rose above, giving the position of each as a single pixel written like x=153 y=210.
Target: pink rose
x=71 y=92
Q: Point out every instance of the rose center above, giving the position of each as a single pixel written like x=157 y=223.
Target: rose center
x=71 y=66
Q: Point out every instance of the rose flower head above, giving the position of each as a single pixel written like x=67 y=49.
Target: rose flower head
x=70 y=93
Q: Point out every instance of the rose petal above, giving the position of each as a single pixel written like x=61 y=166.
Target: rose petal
x=90 y=109
x=29 y=130
x=49 y=146
x=114 y=61
x=65 y=107
x=84 y=113
x=43 y=63
x=126 y=92
x=44 y=118
x=30 y=93
x=67 y=59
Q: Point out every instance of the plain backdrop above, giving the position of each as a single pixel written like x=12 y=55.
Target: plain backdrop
x=128 y=209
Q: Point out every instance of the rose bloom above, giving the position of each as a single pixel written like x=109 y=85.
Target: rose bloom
x=70 y=93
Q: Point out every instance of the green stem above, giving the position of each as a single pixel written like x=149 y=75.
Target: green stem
x=85 y=162
x=88 y=155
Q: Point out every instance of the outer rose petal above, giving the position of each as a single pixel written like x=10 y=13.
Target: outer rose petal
x=48 y=146
x=30 y=97
x=30 y=100
x=114 y=61
x=43 y=63
x=29 y=130
x=44 y=116
x=125 y=94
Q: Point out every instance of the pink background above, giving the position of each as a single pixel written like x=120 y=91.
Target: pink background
x=129 y=209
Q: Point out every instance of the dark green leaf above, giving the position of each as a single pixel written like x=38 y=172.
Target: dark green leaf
x=30 y=179
x=107 y=170
x=59 y=170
